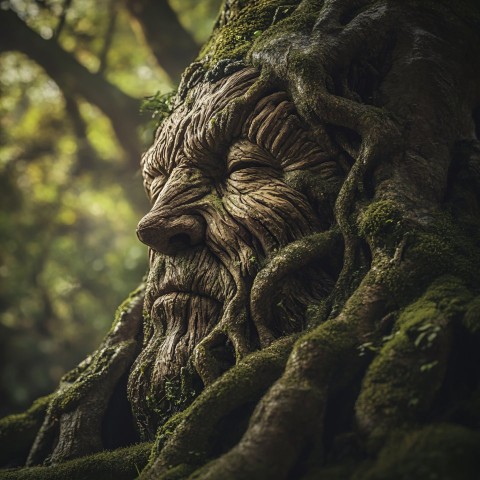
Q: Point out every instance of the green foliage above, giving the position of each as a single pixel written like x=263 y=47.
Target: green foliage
x=70 y=202
x=159 y=105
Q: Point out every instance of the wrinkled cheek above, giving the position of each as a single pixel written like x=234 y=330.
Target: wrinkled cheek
x=275 y=215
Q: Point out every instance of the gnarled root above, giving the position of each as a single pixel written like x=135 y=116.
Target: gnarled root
x=191 y=442
x=120 y=464
x=321 y=360
x=289 y=259
x=404 y=378
x=73 y=423
x=18 y=431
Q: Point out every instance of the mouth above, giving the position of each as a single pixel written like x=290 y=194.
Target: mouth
x=177 y=311
x=172 y=291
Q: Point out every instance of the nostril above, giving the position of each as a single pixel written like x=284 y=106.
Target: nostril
x=179 y=241
x=170 y=234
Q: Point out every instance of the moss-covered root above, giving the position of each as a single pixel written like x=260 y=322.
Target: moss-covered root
x=73 y=424
x=186 y=441
x=402 y=381
x=315 y=57
x=288 y=260
x=441 y=451
x=290 y=416
x=121 y=464
x=17 y=432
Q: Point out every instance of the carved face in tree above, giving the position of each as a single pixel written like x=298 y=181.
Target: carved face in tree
x=224 y=177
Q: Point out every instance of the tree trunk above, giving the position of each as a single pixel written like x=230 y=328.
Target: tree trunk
x=313 y=303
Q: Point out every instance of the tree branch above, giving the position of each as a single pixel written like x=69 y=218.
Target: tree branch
x=113 y=13
x=73 y=78
x=173 y=47
x=61 y=20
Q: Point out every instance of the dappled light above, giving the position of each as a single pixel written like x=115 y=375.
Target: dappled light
x=70 y=196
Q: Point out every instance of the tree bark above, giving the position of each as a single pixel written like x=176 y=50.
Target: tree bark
x=312 y=307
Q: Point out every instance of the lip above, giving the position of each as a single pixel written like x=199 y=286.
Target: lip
x=196 y=273
x=170 y=290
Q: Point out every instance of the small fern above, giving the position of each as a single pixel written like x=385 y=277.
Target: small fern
x=159 y=105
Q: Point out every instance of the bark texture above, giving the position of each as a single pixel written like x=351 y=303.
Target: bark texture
x=313 y=304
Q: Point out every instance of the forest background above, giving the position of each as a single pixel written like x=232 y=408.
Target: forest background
x=79 y=80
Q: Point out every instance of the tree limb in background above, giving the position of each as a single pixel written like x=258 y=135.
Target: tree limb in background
x=72 y=77
x=173 y=46
x=107 y=42
x=62 y=18
x=86 y=155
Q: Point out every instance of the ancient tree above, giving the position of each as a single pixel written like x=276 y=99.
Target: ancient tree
x=312 y=308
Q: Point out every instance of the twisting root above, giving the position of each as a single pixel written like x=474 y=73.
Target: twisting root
x=334 y=11
x=73 y=423
x=373 y=147
x=233 y=325
x=289 y=259
x=310 y=61
x=190 y=443
x=403 y=379
x=234 y=322
x=290 y=415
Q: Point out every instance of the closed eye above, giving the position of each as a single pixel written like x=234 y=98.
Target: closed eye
x=244 y=165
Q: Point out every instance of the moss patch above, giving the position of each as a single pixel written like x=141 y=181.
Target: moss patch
x=381 y=222
x=121 y=464
x=185 y=441
x=17 y=432
x=248 y=20
x=403 y=379
x=437 y=452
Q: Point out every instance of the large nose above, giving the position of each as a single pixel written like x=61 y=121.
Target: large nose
x=170 y=234
x=174 y=223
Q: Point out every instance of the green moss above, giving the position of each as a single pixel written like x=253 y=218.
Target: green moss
x=429 y=252
x=330 y=340
x=185 y=440
x=17 y=432
x=121 y=464
x=381 y=221
x=447 y=295
x=69 y=397
x=440 y=452
x=450 y=248
x=233 y=40
x=403 y=379
x=126 y=306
